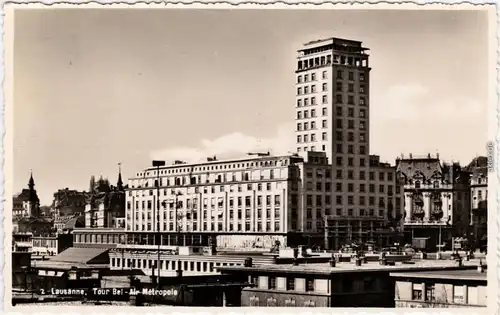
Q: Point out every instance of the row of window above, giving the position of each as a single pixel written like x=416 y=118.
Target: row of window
x=461 y=294
x=339 y=98
x=213 y=202
x=98 y=238
x=290 y=283
x=340 y=87
x=312 y=136
x=44 y=243
x=324 y=112
x=350 y=112
x=172 y=265
x=324 y=124
x=305 y=77
x=212 y=189
x=325 y=200
x=310 y=89
x=339 y=200
x=324 y=75
x=318 y=186
x=327 y=59
x=226 y=166
x=207 y=179
x=311 y=101
x=208 y=226
x=219 y=214
x=320 y=213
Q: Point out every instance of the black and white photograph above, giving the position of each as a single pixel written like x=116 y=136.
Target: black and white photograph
x=310 y=156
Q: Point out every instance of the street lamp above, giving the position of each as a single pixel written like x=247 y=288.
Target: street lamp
x=158 y=164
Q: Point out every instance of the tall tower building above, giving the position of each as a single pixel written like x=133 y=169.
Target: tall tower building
x=332 y=103
x=332 y=115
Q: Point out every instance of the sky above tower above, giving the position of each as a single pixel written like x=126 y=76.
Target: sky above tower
x=94 y=88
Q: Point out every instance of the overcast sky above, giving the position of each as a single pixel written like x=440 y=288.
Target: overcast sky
x=98 y=87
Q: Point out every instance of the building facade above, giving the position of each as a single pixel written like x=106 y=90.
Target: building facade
x=105 y=206
x=244 y=203
x=479 y=201
x=332 y=115
x=437 y=199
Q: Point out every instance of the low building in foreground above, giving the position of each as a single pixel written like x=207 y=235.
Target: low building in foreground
x=323 y=285
x=441 y=289
x=73 y=268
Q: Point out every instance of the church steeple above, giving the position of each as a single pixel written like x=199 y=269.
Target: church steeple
x=31 y=183
x=34 y=207
x=119 y=184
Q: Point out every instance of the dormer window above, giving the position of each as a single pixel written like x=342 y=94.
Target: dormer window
x=436 y=184
x=417 y=184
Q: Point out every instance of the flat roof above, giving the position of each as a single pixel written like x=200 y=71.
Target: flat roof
x=465 y=274
x=332 y=39
x=248 y=158
x=348 y=267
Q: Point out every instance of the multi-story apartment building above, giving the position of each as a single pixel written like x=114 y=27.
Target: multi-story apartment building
x=437 y=199
x=479 y=200
x=244 y=203
x=332 y=115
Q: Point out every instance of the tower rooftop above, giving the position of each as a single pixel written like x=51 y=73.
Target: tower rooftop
x=335 y=43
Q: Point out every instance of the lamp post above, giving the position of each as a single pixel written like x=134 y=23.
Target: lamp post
x=158 y=164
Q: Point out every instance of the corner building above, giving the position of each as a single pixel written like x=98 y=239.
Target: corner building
x=437 y=200
x=332 y=115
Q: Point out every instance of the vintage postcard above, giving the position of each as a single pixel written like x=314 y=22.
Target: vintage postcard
x=337 y=156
